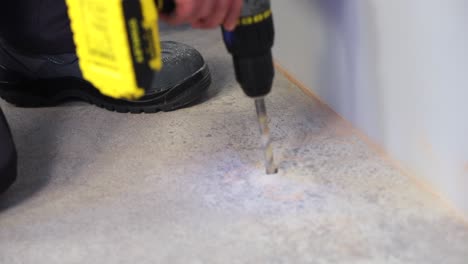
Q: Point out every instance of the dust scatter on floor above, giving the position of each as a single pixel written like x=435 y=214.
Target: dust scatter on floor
x=189 y=186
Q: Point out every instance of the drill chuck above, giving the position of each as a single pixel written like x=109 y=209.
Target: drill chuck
x=250 y=46
x=255 y=74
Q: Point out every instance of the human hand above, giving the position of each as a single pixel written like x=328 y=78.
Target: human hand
x=206 y=13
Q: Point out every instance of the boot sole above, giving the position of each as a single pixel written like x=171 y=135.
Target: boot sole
x=53 y=92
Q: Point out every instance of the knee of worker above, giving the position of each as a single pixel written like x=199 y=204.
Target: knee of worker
x=7 y=155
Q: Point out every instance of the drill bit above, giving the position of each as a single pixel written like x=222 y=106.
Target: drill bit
x=265 y=133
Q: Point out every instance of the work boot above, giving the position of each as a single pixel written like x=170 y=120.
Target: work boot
x=28 y=80
x=7 y=155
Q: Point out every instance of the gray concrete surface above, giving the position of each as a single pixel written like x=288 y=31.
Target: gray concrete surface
x=188 y=186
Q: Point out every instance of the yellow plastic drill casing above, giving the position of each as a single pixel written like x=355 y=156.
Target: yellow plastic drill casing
x=117 y=43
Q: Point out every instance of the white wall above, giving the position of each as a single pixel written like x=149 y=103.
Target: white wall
x=398 y=70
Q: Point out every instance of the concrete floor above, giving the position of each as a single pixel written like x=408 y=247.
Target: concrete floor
x=188 y=186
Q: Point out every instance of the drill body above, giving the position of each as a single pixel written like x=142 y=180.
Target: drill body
x=117 y=42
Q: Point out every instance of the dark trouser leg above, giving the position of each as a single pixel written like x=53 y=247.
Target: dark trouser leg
x=36 y=26
x=7 y=155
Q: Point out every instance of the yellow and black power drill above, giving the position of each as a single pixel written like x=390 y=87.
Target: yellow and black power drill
x=118 y=46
